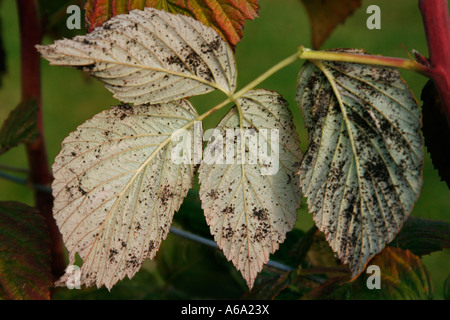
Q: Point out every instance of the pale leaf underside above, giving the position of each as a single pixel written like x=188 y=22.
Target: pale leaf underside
x=116 y=188
x=362 y=171
x=150 y=56
x=249 y=213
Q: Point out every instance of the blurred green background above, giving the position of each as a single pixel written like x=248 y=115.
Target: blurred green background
x=70 y=98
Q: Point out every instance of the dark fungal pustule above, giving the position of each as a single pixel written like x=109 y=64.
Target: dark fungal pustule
x=166 y=195
x=260 y=213
x=82 y=191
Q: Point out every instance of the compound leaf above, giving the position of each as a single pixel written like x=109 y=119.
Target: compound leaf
x=117 y=187
x=362 y=171
x=25 y=271
x=227 y=17
x=250 y=200
x=150 y=56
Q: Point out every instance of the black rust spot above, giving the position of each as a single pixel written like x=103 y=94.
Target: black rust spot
x=82 y=191
x=260 y=214
x=213 y=194
x=112 y=253
x=165 y=195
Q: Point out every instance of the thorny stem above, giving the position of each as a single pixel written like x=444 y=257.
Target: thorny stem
x=30 y=35
x=437 y=29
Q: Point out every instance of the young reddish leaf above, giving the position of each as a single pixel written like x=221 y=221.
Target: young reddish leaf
x=403 y=277
x=226 y=16
x=436 y=130
x=100 y=11
x=326 y=15
x=25 y=271
x=20 y=126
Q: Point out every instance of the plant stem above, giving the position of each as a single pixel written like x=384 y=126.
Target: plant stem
x=280 y=65
x=13 y=169
x=307 y=54
x=364 y=59
x=213 y=244
x=234 y=97
x=318 y=270
x=212 y=110
x=31 y=35
x=437 y=29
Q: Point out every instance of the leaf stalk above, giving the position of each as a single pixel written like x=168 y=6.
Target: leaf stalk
x=408 y=64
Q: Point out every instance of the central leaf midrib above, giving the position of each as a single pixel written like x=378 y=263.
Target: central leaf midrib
x=243 y=185
x=144 y=67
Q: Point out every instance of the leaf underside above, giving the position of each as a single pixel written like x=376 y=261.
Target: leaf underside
x=227 y=17
x=249 y=211
x=116 y=188
x=362 y=171
x=24 y=253
x=150 y=56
